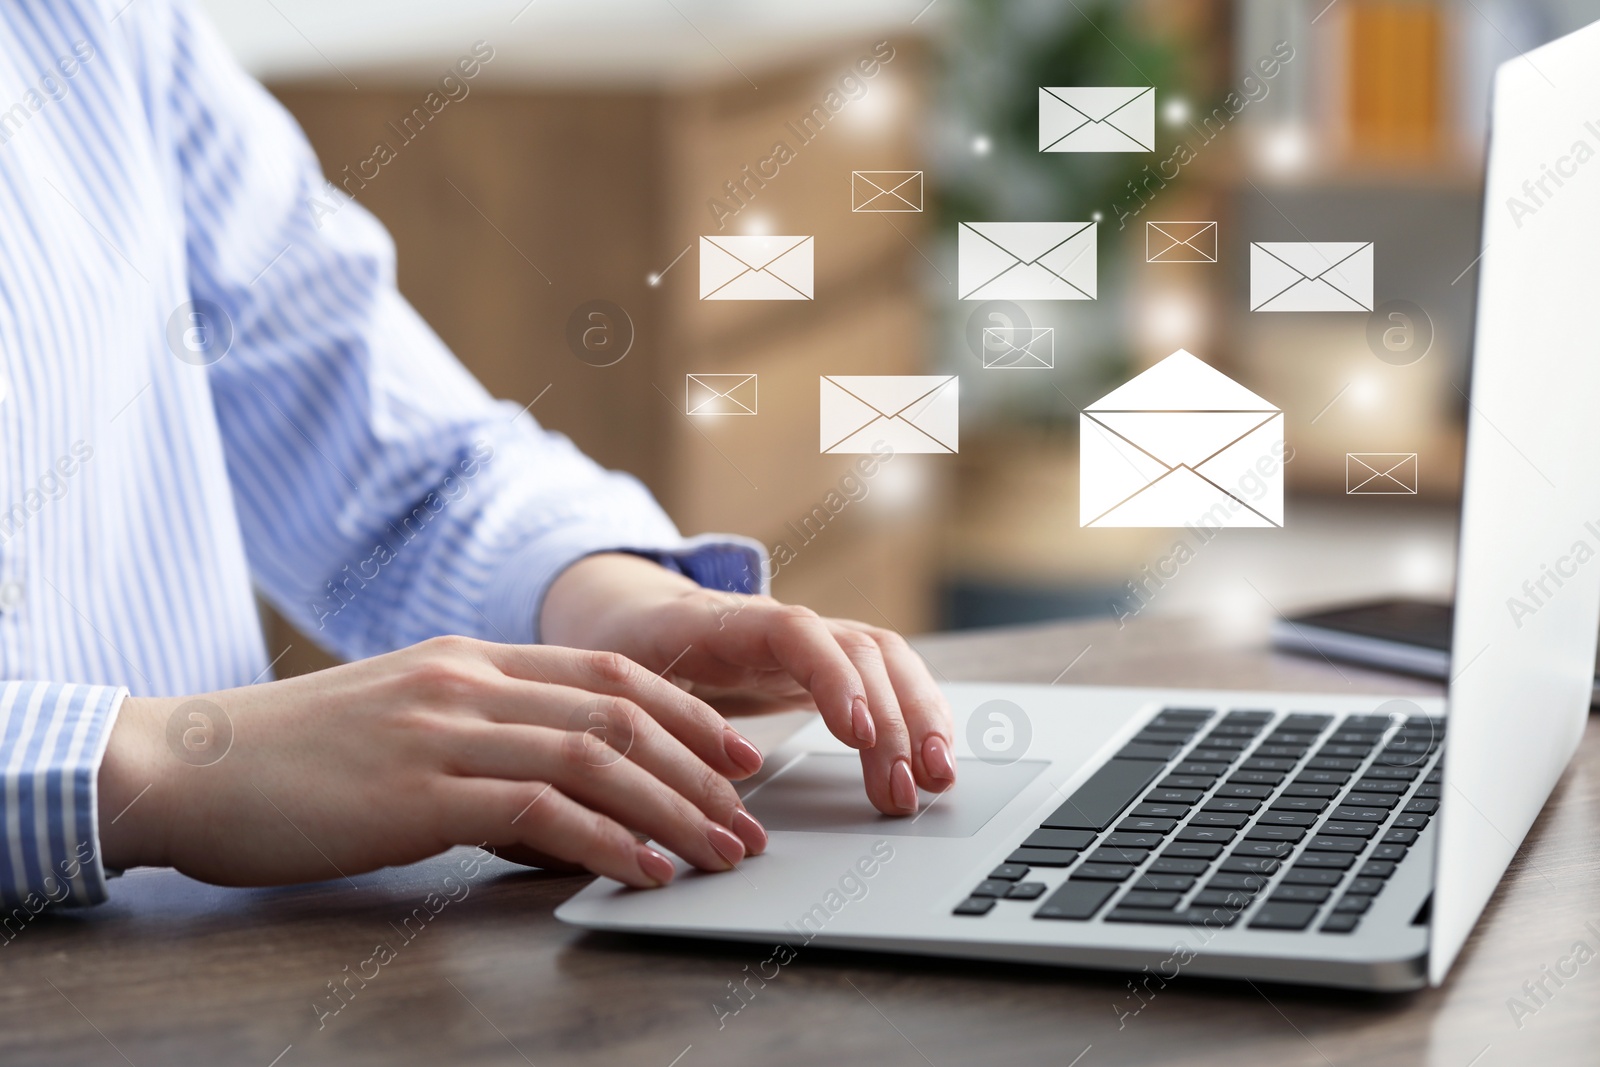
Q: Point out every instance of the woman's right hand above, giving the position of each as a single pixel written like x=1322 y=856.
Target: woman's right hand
x=546 y=754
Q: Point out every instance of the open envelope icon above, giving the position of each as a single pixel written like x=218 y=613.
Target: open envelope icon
x=1181 y=445
x=756 y=268
x=886 y=190
x=1026 y=260
x=908 y=412
x=1097 y=119
x=1180 y=242
x=1311 y=276
x=719 y=394
x=1380 y=473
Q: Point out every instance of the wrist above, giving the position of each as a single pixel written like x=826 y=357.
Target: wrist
x=599 y=601
x=130 y=787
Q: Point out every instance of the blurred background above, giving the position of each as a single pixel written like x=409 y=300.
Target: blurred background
x=572 y=174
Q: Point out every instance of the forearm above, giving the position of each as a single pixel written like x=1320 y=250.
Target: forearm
x=588 y=605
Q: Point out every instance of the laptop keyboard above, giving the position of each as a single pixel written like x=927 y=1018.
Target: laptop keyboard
x=1274 y=821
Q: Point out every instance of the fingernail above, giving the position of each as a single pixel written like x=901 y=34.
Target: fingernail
x=936 y=758
x=752 y=833
x=725 y=843
x=861 y=723
x=655 y=866
x=744 y=755
x=902 y=790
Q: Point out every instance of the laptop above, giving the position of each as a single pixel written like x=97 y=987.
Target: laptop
x=1329 y=839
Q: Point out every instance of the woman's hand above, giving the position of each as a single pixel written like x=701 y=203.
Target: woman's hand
x=539 y=752
x=871 y=687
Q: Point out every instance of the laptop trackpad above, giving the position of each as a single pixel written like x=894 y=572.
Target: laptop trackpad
x=821 y=792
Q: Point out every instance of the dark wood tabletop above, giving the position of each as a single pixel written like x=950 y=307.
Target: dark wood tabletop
x=175 y=972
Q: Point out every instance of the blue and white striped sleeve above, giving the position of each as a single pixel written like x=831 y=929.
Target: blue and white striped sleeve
x=52 y=737
x=384 y=496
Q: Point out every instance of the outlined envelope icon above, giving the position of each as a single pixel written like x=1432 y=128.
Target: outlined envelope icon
x=1019 y=347
x=719 y=394
x=909 y=412
x=1181 y=444
x=1380 y=473
x=886 y=190
x=1311 y=276
x=1180 y=242
x=1097 y=119
x=756 y=268
x=1026 y=260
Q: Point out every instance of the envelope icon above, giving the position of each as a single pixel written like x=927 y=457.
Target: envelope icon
x=1026 y=260
x=719 y=394
x=1180 y=242
x=1380 y=473
x=909 y=412
x=1311 y=276
x=1181 y=445
x=756 y=268
x=1019 y=347
x=886 y=190
x=1097 y=119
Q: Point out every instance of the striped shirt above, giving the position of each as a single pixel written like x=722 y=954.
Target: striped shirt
x=209 y=382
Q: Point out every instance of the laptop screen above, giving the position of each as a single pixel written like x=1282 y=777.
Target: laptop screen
x=1528 y=580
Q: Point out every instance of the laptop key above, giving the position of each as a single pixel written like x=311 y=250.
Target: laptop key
x=1188 y=917
x=1249 y=865
x=1173 y=796
x=1341 y=861
x=1272 y=916
x=1390 y=852
x=1298 y=875
x=1170 y=883
x=1186 y=781
x=1133 y=825
x=974 y=906
x=1353 y=904
x=1299 y=804
x=1265 y=763
x=1226 y=898
x=991 y=887
x=1076 y=900
x=1379 y=785
x=1232 y=804
x=1300 y=894
x=1310 y=789
x=1366 y=887
x=1141 y=750
x=1376 y=869
x=1368 y=815
x=1026 y=891
x=1052 y=838
x=1427 y=792
x=1256 y=778
x=1145 y=898
x=1126 y=840
x=1281 y=751
x=1347 y=829
x=1410 y=821
x=1421 y=804
x=1235 y=729
x=1399 y=774
x=1159 y=811
x=1326 y=763
x=1209 y=770
x=1323 y=777
x=1238 y=883
x=1399 y=836
x=1351 y=845
x=1042 y=857
x=1155 y=735
x=1309 y=720
x=1104 y=872
x=1192 y=850
x=1131 y=857
x=1096 y=803
x=1257 y=792
x=1215 y=757
x=1265 y=832
x=1233 y=819
x=1178 y=865
x=1275 y=817
x=1275 y=849
x=1212 y=740
x=1344 y=750
x=1340 y=923
x=1219 y=834
x=1369 y=800
x=1010 y=872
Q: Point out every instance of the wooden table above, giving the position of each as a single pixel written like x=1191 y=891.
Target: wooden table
x=175 y=972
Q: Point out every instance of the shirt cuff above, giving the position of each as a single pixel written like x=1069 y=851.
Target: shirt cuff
x=52 y=739
x=725 y=562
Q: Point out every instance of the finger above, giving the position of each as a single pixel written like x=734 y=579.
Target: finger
x=599 y=778
x=691 y=720
x=923 y=706
x=887 y=765
x=536 y=815
x=764 y=634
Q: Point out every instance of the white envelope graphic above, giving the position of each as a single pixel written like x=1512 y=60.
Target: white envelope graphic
x=719 y=394
x=1180 y=242
x=886 y=190
x=1380 y=473
x=1181 y=444
x=1019 y=347
x=1097 y=119
x=756 y=268
x=1026 y=260
x=909 y=412
x=1311 y=276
